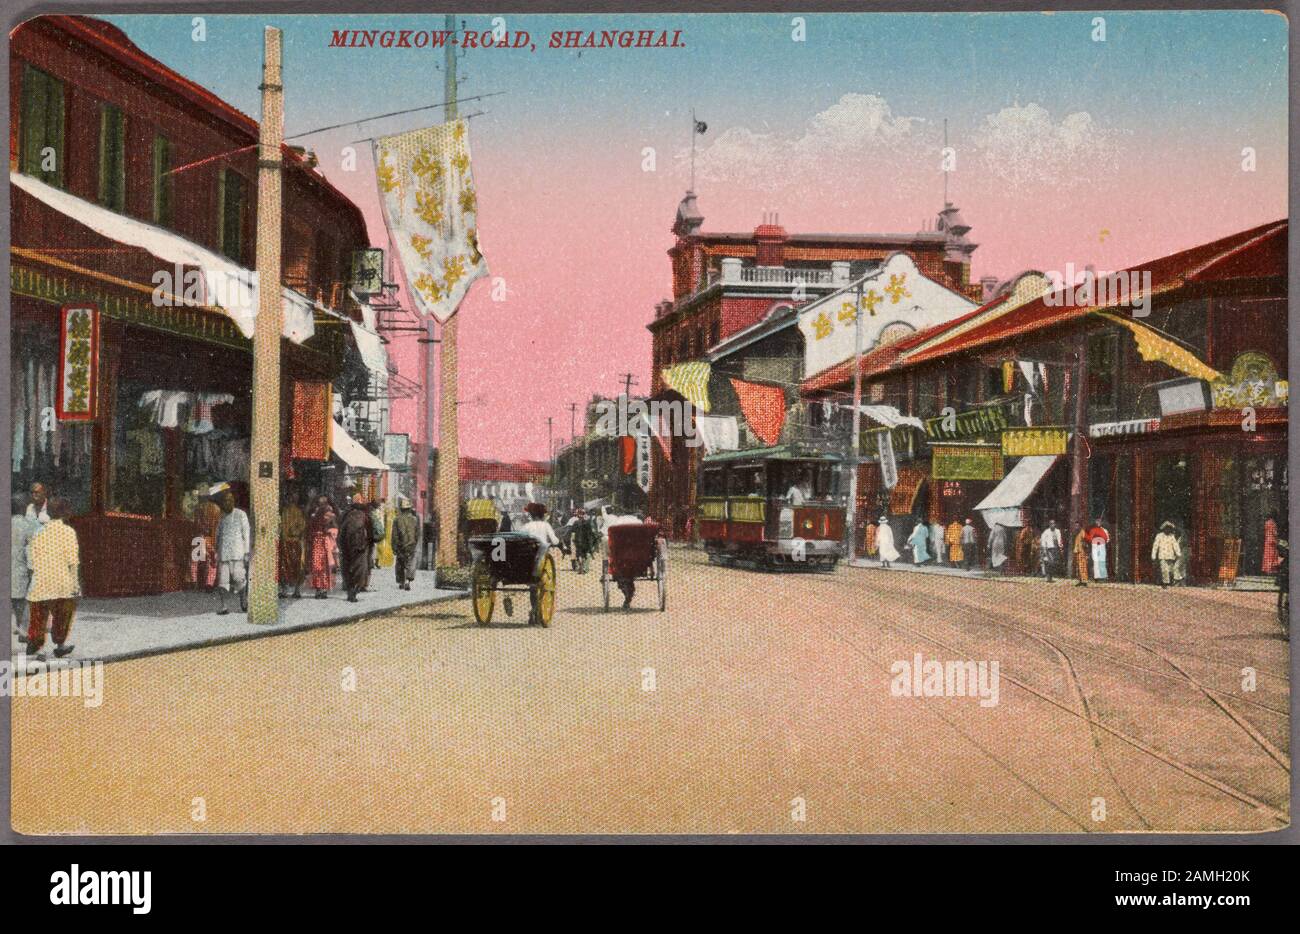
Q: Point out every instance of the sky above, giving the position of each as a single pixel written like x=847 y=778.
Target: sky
x=1069 y=150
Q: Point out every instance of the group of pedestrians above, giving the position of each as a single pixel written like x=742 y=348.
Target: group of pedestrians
x=45 y=572
x=346 y=547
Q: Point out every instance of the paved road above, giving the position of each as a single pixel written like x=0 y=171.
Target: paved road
x=756 y=700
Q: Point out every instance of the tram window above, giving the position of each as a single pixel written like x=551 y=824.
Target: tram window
x=714 y=483
x=747 y=481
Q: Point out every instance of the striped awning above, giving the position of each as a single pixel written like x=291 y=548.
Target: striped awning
x=1153 y=345
x=692 y=381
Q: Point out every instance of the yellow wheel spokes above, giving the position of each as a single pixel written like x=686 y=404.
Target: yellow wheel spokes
x=484 y=595
x=546 y=596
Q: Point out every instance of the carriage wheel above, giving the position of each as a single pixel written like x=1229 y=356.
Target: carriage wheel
x=483 y=593
x=544 y=591
x=604 y=581
x=661 y=574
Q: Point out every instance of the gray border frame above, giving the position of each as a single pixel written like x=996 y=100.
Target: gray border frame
x=16 y=12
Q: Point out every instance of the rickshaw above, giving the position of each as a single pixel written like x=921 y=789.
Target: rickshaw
x=635 y=552
x=504 y=562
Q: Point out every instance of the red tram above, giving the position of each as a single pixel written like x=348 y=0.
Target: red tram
x=776 y=507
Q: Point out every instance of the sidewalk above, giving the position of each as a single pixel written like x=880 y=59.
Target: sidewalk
x=1242 y=584
x=118 y=628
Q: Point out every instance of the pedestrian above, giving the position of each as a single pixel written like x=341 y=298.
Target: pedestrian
x=885 y=542
x=323 y=530
x=22 y=530
x=969 y=545
x=1165 y=551
x=405 y=529
x=952 y=538
x=355 y=538
x=870 y=538
x=1184 y=556
x=38 y=508
x=1050 y=545
x=998 y=548
x=203 y=560
x=54 y=560
x=936 y=541
x=1026 y=542
x=1270 y=559
x=917 y=542
x=540 y=529
x=384 y=550
x=375 y=513
x=1079 y=558
x=234 y=544
x=292 y=551
x=1100 y=540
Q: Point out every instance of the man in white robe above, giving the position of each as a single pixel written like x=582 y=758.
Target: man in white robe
x=885 y=543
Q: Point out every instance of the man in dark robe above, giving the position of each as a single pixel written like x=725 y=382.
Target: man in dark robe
x=354 y=541
x=406 y=537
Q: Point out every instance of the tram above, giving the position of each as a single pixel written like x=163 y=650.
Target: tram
x=778 y=507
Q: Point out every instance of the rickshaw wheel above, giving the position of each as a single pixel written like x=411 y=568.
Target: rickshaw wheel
x=483 y=593
x=545 y=590
x=661 y=573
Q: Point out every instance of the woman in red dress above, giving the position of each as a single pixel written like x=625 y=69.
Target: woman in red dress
x=322 y=532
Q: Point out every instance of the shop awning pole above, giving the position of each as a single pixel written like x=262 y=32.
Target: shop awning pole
x=264 y=464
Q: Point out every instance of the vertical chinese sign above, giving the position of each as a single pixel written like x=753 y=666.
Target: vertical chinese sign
x=78 y=363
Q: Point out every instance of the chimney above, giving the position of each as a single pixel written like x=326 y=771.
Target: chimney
x=988 y=287
x=769 y=239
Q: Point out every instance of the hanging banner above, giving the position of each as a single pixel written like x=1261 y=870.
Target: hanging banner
x=986 y=421
x=719 y=432
x=902 y=440
x=78 y=389
x=764 y=408
x=966 y=462
x=888 y=466
x=1034 y=442
x=643 y=460
x=397 y=450
x=431 y=209
x=311 y=430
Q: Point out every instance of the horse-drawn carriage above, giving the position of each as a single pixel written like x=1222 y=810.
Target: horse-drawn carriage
x=508 y=562
x=635 y=552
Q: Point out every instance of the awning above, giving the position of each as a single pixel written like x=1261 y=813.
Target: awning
x=1152 y=345
x=369 y=343
x=350 y=451
x=888 y=416
x=1004 y=503
x=692 y=381
x=226 y=285
x=902 y=498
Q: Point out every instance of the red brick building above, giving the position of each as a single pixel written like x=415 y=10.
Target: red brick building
x=97 y=127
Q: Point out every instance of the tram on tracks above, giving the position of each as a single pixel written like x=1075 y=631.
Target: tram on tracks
x=780 y=508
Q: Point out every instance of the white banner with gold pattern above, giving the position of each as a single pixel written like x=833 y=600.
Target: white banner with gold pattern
x=431 y=209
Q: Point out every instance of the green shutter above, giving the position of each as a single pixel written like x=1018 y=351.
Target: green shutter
x=112 y=158
x=42 y=125
x=162 y=182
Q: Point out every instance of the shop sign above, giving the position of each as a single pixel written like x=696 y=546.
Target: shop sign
x=397 y=450
x=966 y=462
x=78 y=363
x=1251 y=382
x=902 y=438
x=1032 y=442
x=888 y=466
x=367 y=272
x=643 y=460
x=1133 y=426
x=986 y=421
x=312 y=421
x=1181 y=395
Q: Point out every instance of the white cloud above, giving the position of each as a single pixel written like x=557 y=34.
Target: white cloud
x=1023 y=144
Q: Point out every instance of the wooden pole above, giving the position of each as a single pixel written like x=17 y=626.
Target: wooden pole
x=447 y=487
x=854 y=452
x=264 y=464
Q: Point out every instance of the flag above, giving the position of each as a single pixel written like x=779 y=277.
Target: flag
x=692 y=381
x=430 y=206
x=764 y=408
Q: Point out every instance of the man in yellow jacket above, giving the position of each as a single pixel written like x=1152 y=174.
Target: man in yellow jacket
x=54 y=557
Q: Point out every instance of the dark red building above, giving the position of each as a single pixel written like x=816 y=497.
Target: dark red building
x=114 y=160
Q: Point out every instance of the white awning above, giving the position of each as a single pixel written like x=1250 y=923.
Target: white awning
x=350 y=451
x=226 y=284
x=1016 y=487
x=888 y=416
x=369 y=343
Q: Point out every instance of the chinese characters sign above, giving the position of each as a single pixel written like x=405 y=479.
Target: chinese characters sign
x=78 y=363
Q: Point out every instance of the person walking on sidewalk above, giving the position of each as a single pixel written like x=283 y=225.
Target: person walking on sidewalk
x=1100 y=539
x=885 y=543
x=406 y=539
x=234 y=544
x=1165 y=551
x=1079 y=558
x=998 y=548
x=1050 y=545
x=355 y=539
x=969 y=545
x=293 y=534
x=323 y=530
x=23 y=529
x=936 y=541
x=952 y=538
x=917 y=542
x=54 y=559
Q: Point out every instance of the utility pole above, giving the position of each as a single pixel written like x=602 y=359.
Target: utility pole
x=628 y=380
x=854 y=453
x=264 y=472
x=550 y=440
x=447 y=481
x=1078 y=462
x=573 y=421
